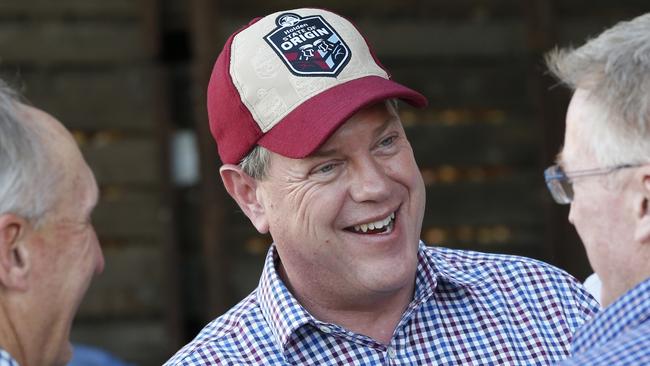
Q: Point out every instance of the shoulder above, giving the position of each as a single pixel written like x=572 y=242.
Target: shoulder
x=525 y=280
x=227 y=339
x=630 y=348
x=484 y=266
x=481 y=265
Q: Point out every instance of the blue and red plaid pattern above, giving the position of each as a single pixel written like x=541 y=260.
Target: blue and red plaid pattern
x=620 y=335
x=6 y=359
x=468 y=309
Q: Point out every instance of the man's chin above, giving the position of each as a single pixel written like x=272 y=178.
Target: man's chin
x=65 y=355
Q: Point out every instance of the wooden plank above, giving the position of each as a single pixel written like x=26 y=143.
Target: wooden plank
x=603 y=9
x=484 y=237
x=245 y=275
x=530 y=251
x=418 y=39
x=123 y=161
x=138 y=341
x=458 y=40
x=474 y=144
x=516 y=200
x=574 y=32
x=69 y=8
x=79 y=43
x=471 y=84
x=474 y=9
x=212 y=222
x=126 y=213
x=131 y=285
x=91 y=99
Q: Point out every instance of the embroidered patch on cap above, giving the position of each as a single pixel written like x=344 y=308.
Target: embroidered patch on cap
x=308 y=46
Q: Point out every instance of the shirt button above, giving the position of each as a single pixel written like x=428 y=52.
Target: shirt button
x=391 y=352
x=325 y=329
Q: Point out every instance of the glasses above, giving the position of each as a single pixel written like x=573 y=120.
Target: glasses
x=560 y=183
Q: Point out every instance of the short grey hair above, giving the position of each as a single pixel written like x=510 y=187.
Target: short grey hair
x=256 y=163
x=25 y=185
x=615 y=69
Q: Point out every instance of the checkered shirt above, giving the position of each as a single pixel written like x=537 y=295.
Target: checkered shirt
x=6 y=359
x=620 y=335
x=468 y=309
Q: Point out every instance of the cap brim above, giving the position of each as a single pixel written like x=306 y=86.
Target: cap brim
x=307 y=127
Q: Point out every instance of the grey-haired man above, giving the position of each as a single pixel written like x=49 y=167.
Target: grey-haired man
x=603 y=172
x=48 y=248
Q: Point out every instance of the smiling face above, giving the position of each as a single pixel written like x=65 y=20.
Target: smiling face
x=346 y=220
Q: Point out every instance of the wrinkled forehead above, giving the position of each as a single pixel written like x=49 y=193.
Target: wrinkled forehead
x=368 y=122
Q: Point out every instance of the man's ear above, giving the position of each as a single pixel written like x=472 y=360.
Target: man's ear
x=642 y=206
x=243 y=188
x=14 y=254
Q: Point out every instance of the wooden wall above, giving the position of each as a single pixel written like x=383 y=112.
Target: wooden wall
x=123 y=74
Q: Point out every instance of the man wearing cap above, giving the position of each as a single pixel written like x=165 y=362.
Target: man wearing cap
x=603 y=172
x=314 y=152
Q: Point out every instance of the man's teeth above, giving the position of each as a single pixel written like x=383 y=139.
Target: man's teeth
x=375 y=225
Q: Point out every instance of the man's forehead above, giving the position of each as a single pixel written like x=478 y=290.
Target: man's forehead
x=568 y=154
x=369 y=126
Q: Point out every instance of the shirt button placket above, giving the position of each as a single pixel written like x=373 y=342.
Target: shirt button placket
x=390 y=351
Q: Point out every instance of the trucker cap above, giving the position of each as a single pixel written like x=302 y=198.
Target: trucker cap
x=288 y=80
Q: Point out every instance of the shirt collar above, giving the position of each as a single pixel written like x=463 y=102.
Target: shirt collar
x=285 y=315
x=279 y=307
x=628 y=312
x=6 y=359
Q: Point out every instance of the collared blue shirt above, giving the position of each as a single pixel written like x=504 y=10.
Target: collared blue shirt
x=6 y=359
x=468 y=308
x=619 y=335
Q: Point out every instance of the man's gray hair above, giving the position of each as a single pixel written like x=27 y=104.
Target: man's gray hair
x=256 y=163
x=615 y=69
x=25 y=185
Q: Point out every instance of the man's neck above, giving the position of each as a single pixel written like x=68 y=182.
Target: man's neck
x=373 y=316
x=14 y=335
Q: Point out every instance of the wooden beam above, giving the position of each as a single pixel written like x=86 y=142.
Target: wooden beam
x=206 y=45
x=550 y=103
x=73 y=43
x=173 y=308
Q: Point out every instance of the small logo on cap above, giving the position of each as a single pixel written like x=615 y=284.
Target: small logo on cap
x=309 y=46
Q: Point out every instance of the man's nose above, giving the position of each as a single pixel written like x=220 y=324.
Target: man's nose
x=370 y=181
x=99 y=261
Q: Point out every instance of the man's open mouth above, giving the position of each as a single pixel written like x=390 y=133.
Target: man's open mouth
x=376 y=227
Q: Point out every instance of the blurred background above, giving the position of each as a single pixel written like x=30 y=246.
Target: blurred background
x=128 y=77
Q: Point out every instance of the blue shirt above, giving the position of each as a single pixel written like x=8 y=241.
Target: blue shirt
x=468 y=308
x=620 y=335
x=6 y=359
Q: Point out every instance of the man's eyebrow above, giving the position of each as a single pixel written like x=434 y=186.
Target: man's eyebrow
x=378 y=131
x=322 y=153
x=387 y=123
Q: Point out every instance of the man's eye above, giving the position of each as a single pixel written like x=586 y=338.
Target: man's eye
x=388 y=141
x=325 y=168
